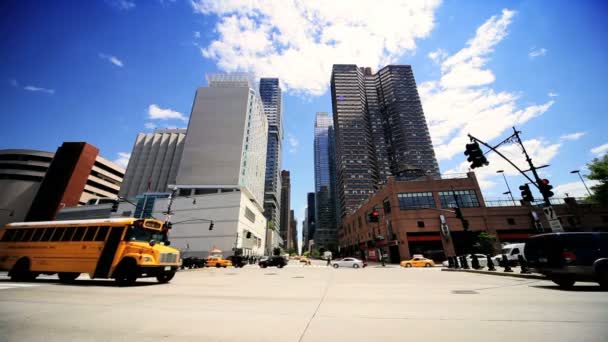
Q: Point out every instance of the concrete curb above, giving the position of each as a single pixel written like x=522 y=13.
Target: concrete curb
x=501 y=274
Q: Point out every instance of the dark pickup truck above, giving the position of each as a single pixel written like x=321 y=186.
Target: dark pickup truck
x=566 y=258
x=193 y=262
x=274 y=260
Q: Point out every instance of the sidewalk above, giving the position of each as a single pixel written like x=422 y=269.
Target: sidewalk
x=500 y=272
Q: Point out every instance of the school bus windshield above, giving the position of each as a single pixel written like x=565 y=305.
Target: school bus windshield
x=138 y=233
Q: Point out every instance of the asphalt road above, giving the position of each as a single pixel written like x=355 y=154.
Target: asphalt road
x=299 y=303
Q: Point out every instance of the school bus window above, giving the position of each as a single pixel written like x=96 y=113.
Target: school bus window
x=17 y=235
x=90 y=234
x=101 y=233
x=47 y=234
x=37 y=234
x=8 y=235
x=79 y=233
x=67 y=236
x=58 y=233
x=27 y=235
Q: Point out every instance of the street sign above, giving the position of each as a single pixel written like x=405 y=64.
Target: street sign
x=551 y=216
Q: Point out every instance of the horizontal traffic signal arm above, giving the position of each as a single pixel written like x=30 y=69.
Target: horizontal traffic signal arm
x=505 y=158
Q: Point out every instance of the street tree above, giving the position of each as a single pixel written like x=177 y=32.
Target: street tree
x=599 y=171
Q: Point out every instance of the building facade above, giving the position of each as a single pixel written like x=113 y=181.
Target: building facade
x=154 y=162
x=225 y=145
x=36 y=184
x=285 y=206
x=270 y=93
x=224 y=157
x=417 y=217
x=325 y=232
x=310 y=219
x=292 y=235
x=380 y=131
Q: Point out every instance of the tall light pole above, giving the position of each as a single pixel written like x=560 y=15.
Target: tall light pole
x=507 y=183
x=582 y=180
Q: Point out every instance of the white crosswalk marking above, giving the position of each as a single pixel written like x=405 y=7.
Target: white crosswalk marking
x=11 y=285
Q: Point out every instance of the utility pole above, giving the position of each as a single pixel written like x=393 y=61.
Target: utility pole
x=532 y=167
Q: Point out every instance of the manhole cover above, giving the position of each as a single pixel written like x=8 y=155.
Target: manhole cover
x=464 y=292
x=298 y=277
x=270 y=274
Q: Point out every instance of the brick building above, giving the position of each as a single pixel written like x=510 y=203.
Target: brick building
x=411 y=215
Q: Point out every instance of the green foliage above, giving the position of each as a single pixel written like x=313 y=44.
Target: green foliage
x=315 y=253
x=599 y=171
x=271 y=225
x=306 y=253
x=485 y=243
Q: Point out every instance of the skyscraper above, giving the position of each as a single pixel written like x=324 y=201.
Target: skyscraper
x=270 y=93
x=292 y=235
x=285 y=206
x=154 y=162
x=310 y=216
x=325 y=232
x=380 y=131
x=225 y=147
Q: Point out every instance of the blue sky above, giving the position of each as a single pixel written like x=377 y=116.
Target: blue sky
x=102 y=71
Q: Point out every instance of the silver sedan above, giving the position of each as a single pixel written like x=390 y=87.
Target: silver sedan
x=348 y=262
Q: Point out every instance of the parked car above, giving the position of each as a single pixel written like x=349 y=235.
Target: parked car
x=237 y=261
x=193 y=262
x=214 y=261
x=512 y=251
x=275 y=260
x=417 y=261
x=483 y=261
x=348 y=262
x=566 y=258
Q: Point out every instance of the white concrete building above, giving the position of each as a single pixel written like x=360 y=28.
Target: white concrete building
x=225 y=147
x=237 y=222
x=154 y=162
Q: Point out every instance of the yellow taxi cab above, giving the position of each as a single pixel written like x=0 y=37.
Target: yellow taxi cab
x=417 y=261
x=214 y=261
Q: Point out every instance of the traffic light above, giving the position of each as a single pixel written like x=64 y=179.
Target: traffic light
x=526 y=194
x=458 y=213
x=374 y=216
x=476 y=157
x=211 y=225
x=545 y=188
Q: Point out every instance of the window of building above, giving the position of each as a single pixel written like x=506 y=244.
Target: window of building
x=416 y=200
x=420 y=224
x=511 y=221
x=249 y=215
x=466 y=199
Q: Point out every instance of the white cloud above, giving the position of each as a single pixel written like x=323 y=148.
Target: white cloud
x=299 y=41
x=123 y=5
x=39 y=89
x=552 y=94
x=537 y=52
x=574 y=189
x=197 y=34
x=157 y=113
x=123 y=159
x=573 y=136
x=541 y=152
x=600 y=150
x=150 y=125
x=293 y=143
x=462 y=100
x=112 y=59
x=438 y=55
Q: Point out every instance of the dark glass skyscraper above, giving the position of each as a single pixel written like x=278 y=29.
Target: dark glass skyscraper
x=380 y=131
x=325 y=232
x=270 y=93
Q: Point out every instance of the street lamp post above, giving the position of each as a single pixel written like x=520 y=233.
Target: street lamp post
x=582 y=180
x=507 y=183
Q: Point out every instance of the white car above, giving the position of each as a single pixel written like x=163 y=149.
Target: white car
x=348 y=262
x=483 y=261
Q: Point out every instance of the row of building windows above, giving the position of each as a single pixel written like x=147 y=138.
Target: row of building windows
x=448 y=199
x=56 y=234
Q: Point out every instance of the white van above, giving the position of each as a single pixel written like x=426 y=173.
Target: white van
x=512 y=251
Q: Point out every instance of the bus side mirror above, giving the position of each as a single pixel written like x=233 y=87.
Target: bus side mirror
x=152 y=242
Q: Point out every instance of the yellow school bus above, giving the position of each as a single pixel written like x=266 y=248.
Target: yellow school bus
x=120 y=248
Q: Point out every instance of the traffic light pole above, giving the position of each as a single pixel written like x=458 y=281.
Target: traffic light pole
x=532 y=168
